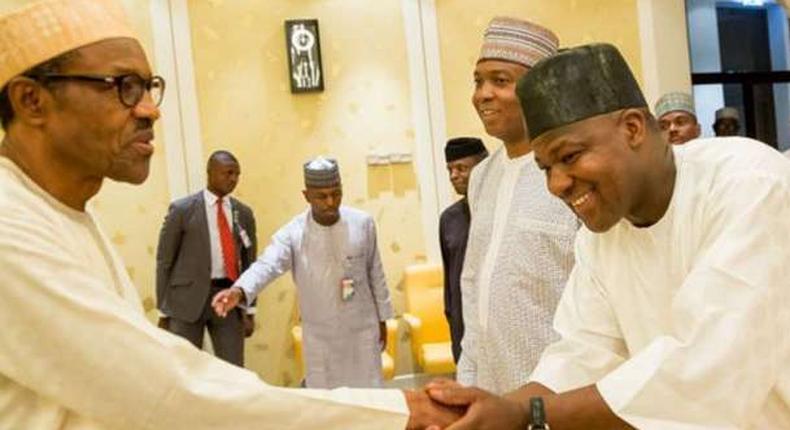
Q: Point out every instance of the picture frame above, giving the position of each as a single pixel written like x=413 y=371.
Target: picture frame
x=303 y=45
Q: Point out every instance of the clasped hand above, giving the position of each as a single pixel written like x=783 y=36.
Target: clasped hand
x=446 y=404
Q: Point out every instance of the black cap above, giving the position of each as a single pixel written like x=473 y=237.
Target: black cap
x=577 y=84
x=461 y=147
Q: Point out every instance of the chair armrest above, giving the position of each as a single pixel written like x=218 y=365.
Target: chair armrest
x=414 y=322
x=296 y=335
x=415 y=327
x=392 y=336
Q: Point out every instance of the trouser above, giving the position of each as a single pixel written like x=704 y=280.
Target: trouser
x=227 y=334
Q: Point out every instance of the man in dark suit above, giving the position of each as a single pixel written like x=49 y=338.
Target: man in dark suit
x=206 y=241
x=461 y=154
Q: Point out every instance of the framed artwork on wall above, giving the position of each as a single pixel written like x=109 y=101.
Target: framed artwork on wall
x=304 y=55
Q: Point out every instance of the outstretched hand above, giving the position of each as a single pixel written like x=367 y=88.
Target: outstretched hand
x=424 y=412
x=225 y=300
x=484 y=410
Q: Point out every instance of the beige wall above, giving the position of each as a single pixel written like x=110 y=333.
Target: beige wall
x=665 y=54
x=246 y=106
x=461 y=25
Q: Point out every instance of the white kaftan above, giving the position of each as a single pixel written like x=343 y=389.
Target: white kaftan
x=341 y=338
x=518 y=257
x=684 y=324
x=76 y=351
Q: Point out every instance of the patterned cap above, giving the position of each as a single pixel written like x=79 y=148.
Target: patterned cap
x=577 y=84
x=671 y=102
x=461 y=147
x=321 y=173
x=517 y=41
x=728 y=112
x=45 y=29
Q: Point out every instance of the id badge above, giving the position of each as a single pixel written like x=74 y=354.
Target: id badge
x=346 y=289
x=245 y=238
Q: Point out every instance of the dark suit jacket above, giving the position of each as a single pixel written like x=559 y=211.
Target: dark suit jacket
x=453 y=233
x=183 y=257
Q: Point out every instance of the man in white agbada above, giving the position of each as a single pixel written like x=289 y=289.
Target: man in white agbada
x=520 y=246
x=676 y=313
x=343 y=297
x=78 y=102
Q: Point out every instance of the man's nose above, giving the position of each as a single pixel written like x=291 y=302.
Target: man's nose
x=483 y=91
x=146 y=108
x=559 y=182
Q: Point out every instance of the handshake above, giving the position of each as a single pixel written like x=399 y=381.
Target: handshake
x=447 y=404
x=440 y=404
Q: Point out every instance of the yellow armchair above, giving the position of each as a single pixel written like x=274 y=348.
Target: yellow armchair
x=387 y=356
x=423 y=285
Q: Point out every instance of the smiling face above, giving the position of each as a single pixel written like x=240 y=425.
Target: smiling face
x=460 y=170
x=90 y=128
x=594 y=166
x=495 y=99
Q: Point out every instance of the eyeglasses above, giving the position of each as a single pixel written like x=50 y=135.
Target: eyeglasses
x=131 y=87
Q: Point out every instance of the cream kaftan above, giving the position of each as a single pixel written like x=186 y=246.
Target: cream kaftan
x=518 y=257
x=76 y=351
x=684 y=324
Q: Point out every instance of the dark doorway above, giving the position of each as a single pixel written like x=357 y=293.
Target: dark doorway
x=744 y=48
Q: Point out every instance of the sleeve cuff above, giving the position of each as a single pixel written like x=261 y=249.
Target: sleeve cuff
x=388 y=314
x=249 y=297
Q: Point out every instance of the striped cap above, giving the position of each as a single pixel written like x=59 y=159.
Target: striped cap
x=517 y=41
x=321 y=172
x=45 y=29
x=671 y=102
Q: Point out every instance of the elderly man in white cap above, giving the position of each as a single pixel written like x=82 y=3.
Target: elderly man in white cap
x=677 y=118
x=77 y=103
x=332 y=254
x=520 y=247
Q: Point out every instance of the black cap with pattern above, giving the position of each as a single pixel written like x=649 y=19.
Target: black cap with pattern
x=460 y=147
x=577 y=84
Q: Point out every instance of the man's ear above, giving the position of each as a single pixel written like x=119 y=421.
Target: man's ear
x=634 y=123
x=29 y=100
x=304 y=193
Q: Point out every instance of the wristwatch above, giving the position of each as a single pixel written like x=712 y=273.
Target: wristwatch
x=537 y=414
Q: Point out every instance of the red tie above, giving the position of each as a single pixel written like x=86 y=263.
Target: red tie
x=228 y=245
